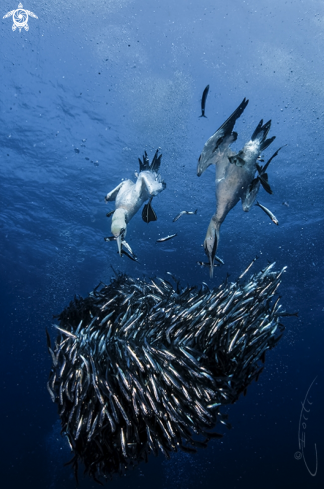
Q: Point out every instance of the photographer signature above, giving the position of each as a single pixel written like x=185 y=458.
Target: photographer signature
x=302 y=433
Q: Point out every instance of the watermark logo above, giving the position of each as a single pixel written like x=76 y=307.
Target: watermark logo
x=20 y=18
x=304 y=414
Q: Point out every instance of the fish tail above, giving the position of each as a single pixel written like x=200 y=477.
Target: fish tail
x=203 y=115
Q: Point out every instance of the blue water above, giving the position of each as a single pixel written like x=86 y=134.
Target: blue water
x=84 y=92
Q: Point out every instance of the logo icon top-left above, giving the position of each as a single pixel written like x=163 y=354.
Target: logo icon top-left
x=20 y=18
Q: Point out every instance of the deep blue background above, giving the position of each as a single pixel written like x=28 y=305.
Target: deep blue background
x=111 y=79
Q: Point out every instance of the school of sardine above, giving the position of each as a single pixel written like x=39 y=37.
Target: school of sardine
x=142 y=367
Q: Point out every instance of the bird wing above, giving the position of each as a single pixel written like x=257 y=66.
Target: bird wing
x=113 y=194
x=228 y=125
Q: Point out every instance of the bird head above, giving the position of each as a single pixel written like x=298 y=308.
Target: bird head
x=204 y=161
x=213 y=150
x=119 y=227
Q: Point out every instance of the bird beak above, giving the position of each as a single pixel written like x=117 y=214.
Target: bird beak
x=199 y=172
x=119 y=241
x=211 y=244
x=210 y=249
x=119 y=244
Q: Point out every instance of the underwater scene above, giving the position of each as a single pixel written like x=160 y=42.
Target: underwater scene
x=161 y=244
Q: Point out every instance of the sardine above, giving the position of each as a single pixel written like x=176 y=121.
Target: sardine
x=93 y=427
x=79 y=428
x=203 y=101
x=50 y=392
x=269 y=213
x=191 y=213
x=106 y=317
x=64 y=331
x=166 y=238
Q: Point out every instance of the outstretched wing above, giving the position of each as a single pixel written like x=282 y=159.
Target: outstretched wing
x=31 y=14
x=9 y=14
x=113 y=194
x=229 y=124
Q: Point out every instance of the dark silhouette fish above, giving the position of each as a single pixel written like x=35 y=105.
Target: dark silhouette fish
x=206 y=264
x=203 y=101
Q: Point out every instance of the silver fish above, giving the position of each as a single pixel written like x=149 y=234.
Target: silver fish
x=248 y=268
x=79 y=428
x=269 y=213
x=106 y=318
x=123 y=442
x=50 y=392
x=67 y=333
x=166 y=238
x=191 y=213
x=93 y=427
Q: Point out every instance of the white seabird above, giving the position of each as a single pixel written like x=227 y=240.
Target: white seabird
x=130 y=196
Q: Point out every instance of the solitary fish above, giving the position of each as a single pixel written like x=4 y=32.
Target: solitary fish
x=190 y=213
x=203 y=101
x=206 y=264
x=269 y=213
x=166 y=238
x=131 y=256
x=288 y=314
